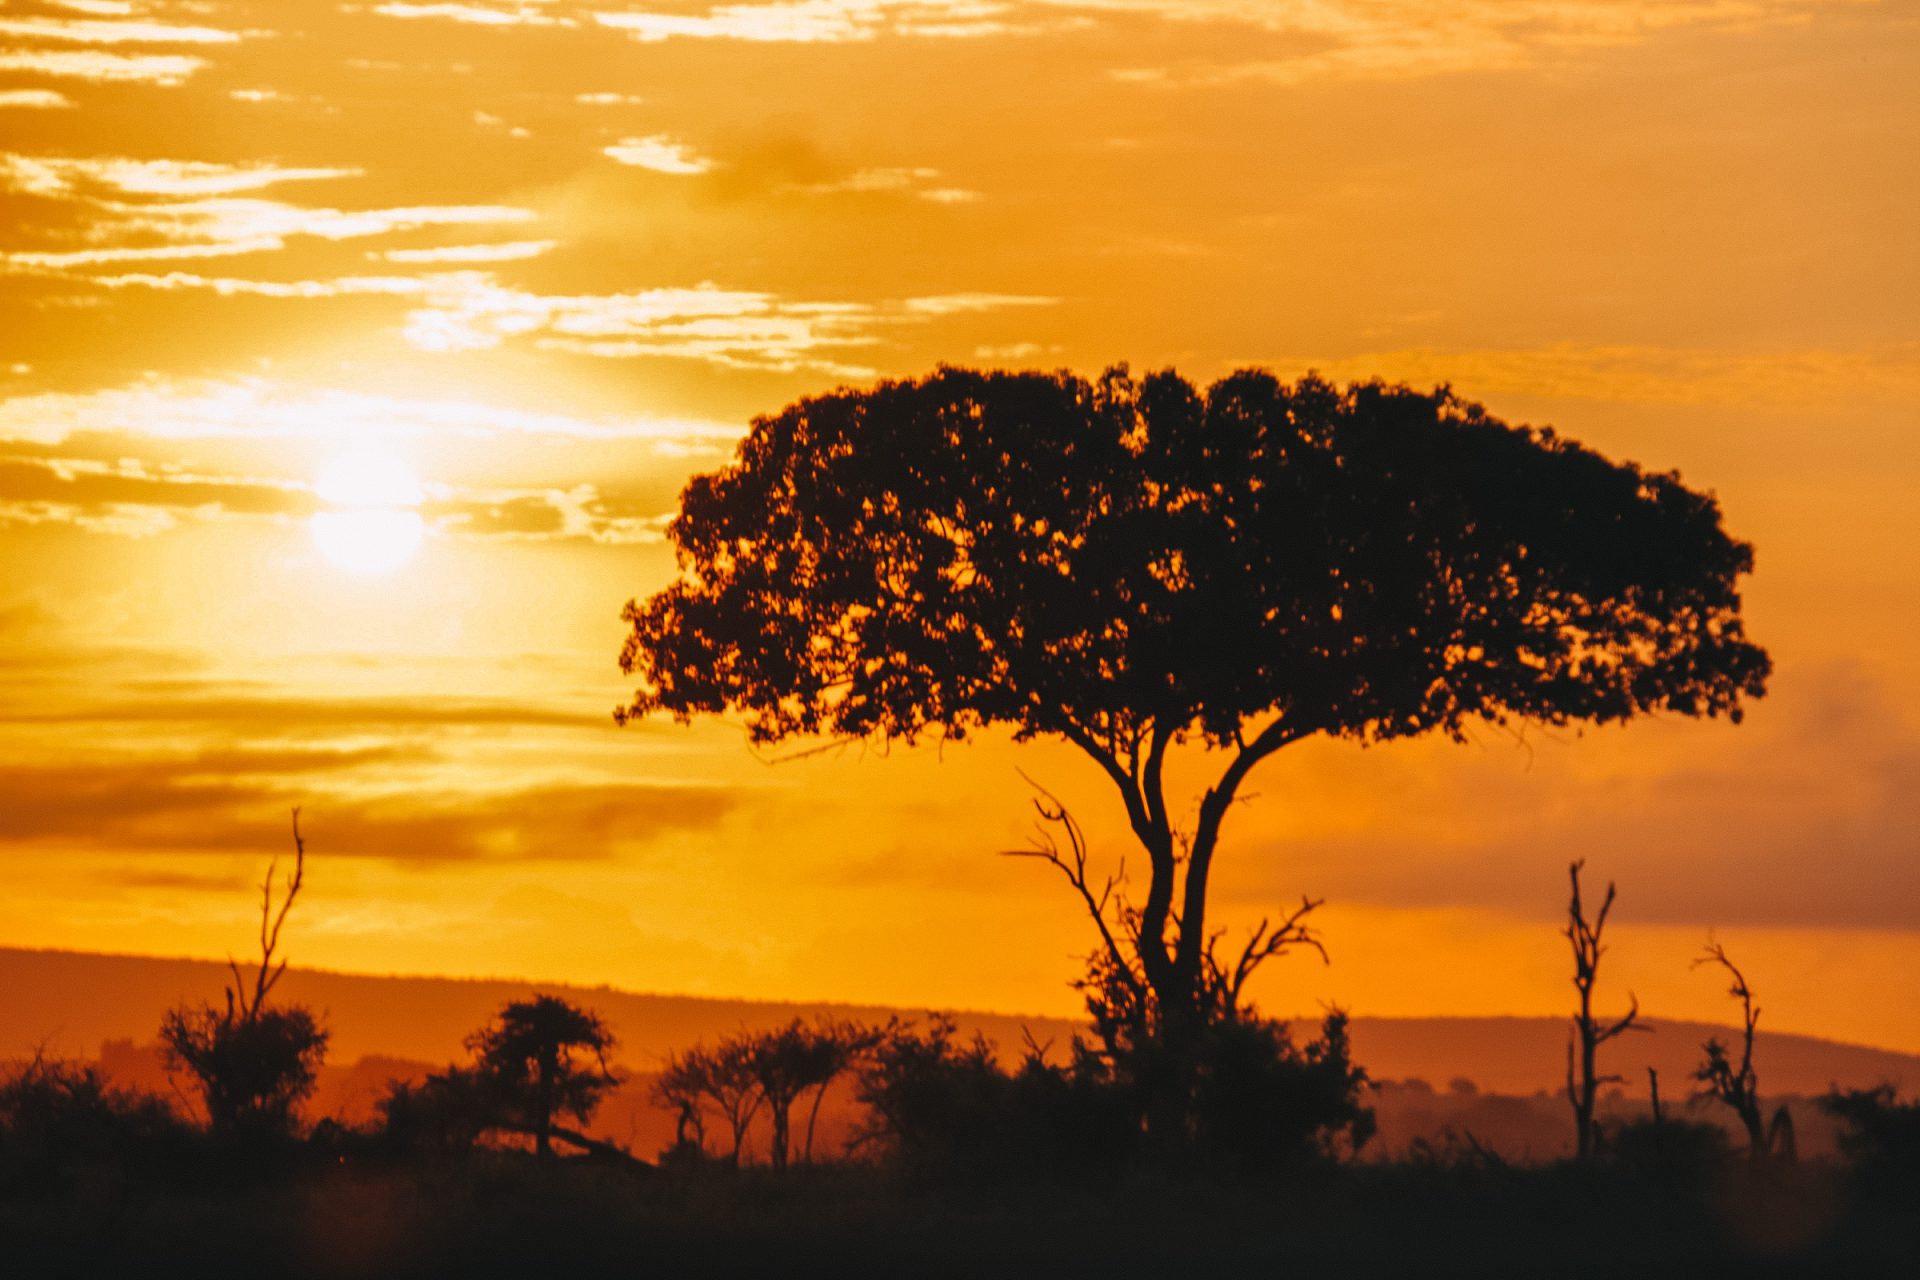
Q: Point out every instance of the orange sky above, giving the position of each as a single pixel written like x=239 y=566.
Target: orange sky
x=545 y=258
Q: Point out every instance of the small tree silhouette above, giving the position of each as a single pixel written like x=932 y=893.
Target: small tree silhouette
x=544 y=1058
x=1737 y=1087
x=253 y=1064
x=722 y=1076
x=1589 y=1034
x=682 y=1087
x=788 y=1061
x=753 y=1069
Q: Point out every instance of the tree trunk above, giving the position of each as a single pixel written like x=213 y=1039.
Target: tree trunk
x=813 y=1114
x=780 y=1129
x=543 y=1113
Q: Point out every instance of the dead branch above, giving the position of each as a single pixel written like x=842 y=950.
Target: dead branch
x=1270 y=941
x=1073 y=864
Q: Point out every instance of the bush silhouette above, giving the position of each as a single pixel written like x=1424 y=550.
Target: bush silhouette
x=1879 y=1134
x=1261 y=1104
x=57 y=1117
x=252 y=1071
x=440 y=1119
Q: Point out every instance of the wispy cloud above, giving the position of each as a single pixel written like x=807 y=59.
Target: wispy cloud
x=194 y=409
x=129 y=498
x=905 y=180
x=237 y=800
x=189 y=209
x=817 y=21
x=1882 y=374
x=97 y=32
x=164 y=69
x=948 y=304
x=87 y=482
x=1400 y=38
x=485 y=15
x=510 y=251
x=70 y=175
x=461 y=311
x=659 y=153
x=38 y=99
x=741 y=328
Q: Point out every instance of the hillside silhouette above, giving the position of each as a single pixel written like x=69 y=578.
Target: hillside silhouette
x=76 y=1001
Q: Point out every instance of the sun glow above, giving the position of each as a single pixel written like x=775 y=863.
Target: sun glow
x=373 y=527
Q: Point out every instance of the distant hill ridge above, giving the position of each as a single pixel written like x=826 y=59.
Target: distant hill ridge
x=73 y=1002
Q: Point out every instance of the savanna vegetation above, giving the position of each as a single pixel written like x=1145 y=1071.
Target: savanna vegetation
x=1136 y=568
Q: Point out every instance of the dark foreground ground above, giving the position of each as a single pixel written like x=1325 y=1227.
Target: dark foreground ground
x=510 y=1218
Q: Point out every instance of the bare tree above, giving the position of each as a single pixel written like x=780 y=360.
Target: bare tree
x=1588 y=1033
x=1737 y=1087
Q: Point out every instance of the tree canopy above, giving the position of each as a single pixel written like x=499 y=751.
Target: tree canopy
x=1105 y=559
x=543 y=1058
x=1132 y=564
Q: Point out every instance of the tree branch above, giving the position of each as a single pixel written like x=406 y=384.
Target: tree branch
x=1054 y=812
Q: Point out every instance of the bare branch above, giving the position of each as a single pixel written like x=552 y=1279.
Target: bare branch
x=1053 y=813
x=1266 y=943
x=266 y=974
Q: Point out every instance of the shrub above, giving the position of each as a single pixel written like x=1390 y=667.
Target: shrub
x=252 y=1072
x=1879 y=1134
x=57 y=1115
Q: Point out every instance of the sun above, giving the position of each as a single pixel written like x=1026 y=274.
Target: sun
x=371 y=526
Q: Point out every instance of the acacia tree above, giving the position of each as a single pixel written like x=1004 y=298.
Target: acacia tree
x=543 y=1058
x=1130 y=566
x=723 y=1076
x=788 y=1061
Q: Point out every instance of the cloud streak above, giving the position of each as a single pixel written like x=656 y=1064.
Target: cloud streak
x=659 y=153
x=165 y=70
x=255 y=408
x=92 y=31
x=128 y=499
x=236 y=801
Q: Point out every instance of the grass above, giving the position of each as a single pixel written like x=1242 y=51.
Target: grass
x=507 y=1216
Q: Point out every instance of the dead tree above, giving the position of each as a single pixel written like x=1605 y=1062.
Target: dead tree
x=1737 y=1087
x=1588 y=1034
